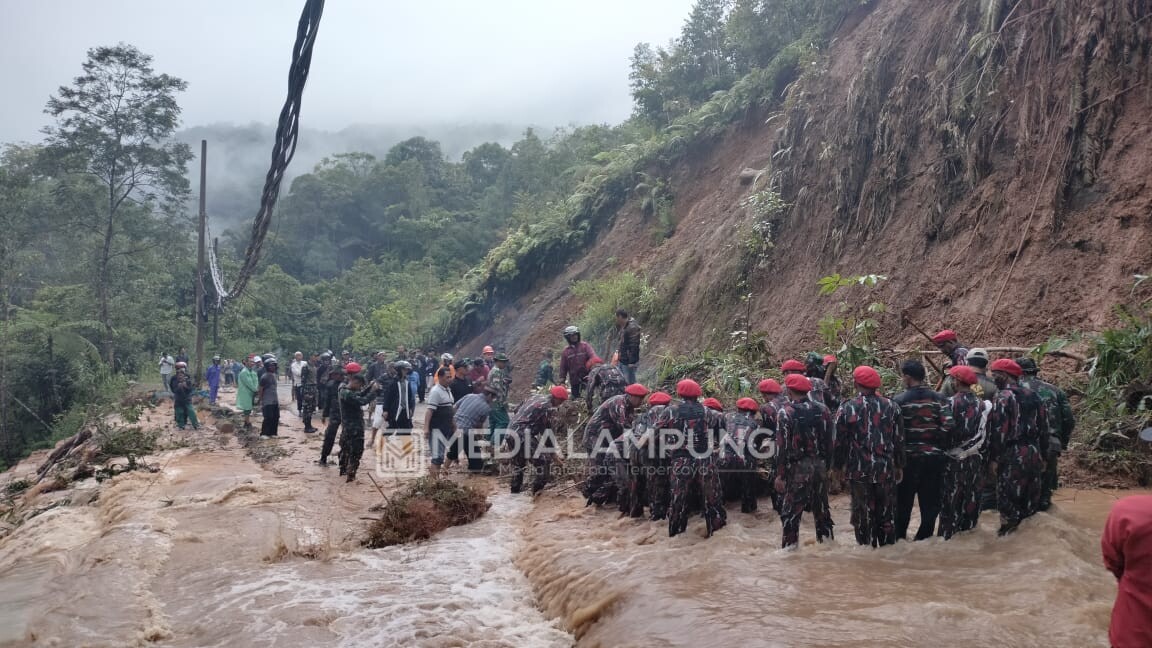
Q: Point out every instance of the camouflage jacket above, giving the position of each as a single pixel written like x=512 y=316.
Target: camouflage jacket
x=984 y=389
x=870 y=439
x=958 y=357
x=1033 y=423
x=1003 y=423
x=307 y=375
x=769 y=411
x=803 y=431
x=700 y=426
x=927 y=421
x=820 y=392
x=740 y=429
x=534 y=415
x=967 y=412
x=1061 y=422
x=607 y=381
x=350 y=403
x=499 y=381
x=615 y=415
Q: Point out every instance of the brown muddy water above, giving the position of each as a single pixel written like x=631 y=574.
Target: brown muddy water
x=216 y=551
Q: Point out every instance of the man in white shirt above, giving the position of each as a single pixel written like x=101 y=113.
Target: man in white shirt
x=167 y=363
x=294 y=371
x=438 y=421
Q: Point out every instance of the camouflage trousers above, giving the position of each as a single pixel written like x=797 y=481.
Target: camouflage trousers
x=685 y=471
x=805 y=487
x=1051 y=479
x=351 y=448
x=541 y=462
x=874 y=512
x=600 y=486
x=658 y=487
x=960 y=508
x=1019 y=471
x=739 y=476
x=637 y=483
x=307 y=400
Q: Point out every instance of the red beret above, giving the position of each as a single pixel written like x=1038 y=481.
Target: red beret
x=352 y=368
x=712 y=403
x=688 y=388
x=963 y=374
x=659 y=398
x=636 y=389
x=748 y=405
x=799 y=383
x=559 y=393
x=829 y=359
x=866 y=377
x=947 y=335
x=1007 y=366
x=769 y=386
x=792 y=365
x=593 y=361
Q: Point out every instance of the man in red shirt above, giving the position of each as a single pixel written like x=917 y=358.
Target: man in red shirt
x=1127 y=547
x=574 y=361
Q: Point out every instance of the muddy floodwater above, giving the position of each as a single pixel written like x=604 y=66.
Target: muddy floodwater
x=215 y=550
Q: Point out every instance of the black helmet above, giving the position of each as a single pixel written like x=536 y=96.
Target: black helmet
x=1028 y=365
x=401 y=365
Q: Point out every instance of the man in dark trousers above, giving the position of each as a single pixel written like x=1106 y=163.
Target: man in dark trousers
x=804 y=447
x=268 y=398
x=331 y=388
x=353 y=396
x=927 y=427
x=628 y=353
x=574 y=361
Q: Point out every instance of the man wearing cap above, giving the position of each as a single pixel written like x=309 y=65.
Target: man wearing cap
x=471 y=412
x=308 y=392
x=774 y=398
x=870 y=453
x=269 y=399
x=212 y=375
x=738 y=467
x=960 y=510
x=1061 y=423
x=604 y=382
x=649 y=462
x=605 y=440
x=1017 y=416
x=501 y=382
x=353 y=396
x=693 y=459
x=527 y=437
x=950 y=346
x=927 y=425
x=804 y=450
x=985 y=387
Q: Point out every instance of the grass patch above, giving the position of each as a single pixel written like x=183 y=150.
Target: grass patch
x=425 y=507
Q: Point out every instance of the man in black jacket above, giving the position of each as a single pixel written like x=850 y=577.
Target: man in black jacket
x=628 y=332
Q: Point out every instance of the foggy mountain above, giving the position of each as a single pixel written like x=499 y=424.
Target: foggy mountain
x=238 y=156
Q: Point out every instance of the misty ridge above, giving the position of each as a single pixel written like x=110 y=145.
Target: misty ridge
x=238 y=156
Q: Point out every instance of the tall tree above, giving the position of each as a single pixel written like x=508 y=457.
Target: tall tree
x=114 y=128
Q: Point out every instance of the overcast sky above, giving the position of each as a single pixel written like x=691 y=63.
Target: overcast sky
x=376 y=61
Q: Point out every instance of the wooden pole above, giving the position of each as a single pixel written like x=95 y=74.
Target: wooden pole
x=198 y=369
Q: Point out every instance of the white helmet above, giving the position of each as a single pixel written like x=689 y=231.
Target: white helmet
x=446 y=357
x=571 y=330
x=181 y=365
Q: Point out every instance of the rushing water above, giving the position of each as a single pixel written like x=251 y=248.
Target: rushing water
x=215 y=551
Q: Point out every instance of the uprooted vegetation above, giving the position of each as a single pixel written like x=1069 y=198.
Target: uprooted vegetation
x=423 y=508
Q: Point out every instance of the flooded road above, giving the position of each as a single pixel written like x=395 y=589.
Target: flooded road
x=216 y=550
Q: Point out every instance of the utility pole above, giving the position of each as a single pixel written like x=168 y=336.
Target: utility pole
x=198 y=372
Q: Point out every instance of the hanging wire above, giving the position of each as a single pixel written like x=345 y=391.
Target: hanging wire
x=283 y=149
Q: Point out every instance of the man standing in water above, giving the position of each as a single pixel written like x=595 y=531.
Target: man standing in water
x=1061 y=423
x=961 y=502
x=692 y=459
x=532 y=420
x=927 y=424
x=1016 y=433
x=804 y=438
x=870 y=451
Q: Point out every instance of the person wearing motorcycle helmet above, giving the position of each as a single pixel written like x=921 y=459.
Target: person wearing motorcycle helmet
x=269 y=399
x=489 y=355
x=181 y=386
x=574 y=360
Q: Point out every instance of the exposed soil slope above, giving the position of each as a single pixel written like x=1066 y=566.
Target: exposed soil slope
x=994 y=162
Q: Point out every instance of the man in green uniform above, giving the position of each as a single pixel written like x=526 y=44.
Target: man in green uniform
x=500 y=381
x=353 y=396
x=1061 y=423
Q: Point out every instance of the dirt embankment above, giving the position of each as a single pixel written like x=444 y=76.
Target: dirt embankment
x=992 y=159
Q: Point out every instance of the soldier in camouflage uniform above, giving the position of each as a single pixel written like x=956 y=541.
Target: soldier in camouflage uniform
x=774 y=399
x=949 y=344
x=870 y=453
x=821 y=392
x=738 y=467
x=1061 y=423
x=604 y=382
x=649 y=470
x=804 y=443
x=331 y=392
x=327 y=406
x=1019 y=423
x=835 y=386
x=927 y=425
x=693 y=459
x=353 y=396
x=985 y=388
x=604 y=439
x=308 y=392
x=960 y=510
x=532 y=420
x=500 y=381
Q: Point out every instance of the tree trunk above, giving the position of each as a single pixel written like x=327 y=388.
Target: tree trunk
x=102 y=275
